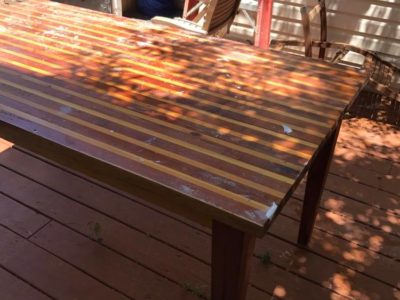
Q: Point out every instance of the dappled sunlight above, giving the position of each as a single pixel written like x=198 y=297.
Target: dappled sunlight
x=223 y=130
x=217 y=121
x=355 y=255
x=334 y=204
x=338 y=219
x=375 y=242
x=5 y=145
x=250 y=138
x=279 y=291
x=341 y=284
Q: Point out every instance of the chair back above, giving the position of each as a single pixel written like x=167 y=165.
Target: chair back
x=220 y=14
x=309 y=14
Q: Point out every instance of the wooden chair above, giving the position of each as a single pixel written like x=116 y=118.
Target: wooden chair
x=384 y=77
x=214 y=17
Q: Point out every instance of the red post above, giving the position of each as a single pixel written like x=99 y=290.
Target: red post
x=264 y=17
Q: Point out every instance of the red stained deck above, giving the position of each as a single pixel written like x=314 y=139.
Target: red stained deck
x=65 y=237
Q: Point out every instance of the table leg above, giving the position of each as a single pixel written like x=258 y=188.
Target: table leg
x=315 y=184
x=232 y=251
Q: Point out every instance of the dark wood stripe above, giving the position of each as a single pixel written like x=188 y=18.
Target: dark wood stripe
x=149 y=143
x=290 y=110
x=252 y=106
x=242 y=51
x=145 y=114
x=121 y=25
x=294 y=148
x=257 y=128
x=124 y=45
x=133 y=159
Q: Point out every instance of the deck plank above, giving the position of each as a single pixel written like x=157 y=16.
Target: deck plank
x=104 y=264
x=47 y=272
x=262 y=276
x=349 y=254
x=19 y=218
x=163 y=259
x=338 y=207
x=13 y=288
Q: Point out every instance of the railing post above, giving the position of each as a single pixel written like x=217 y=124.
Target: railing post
x=264 y=17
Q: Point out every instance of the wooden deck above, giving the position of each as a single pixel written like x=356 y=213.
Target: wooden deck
x=65 y=237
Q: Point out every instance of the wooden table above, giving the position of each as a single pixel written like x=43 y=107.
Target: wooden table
x=213 y=130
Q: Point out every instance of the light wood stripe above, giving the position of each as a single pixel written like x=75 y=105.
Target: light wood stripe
x=302 y=82
x=286 y=114
x=36 y=70
x=225 y=107
x=276 y=111
x=28 y=57
x=240 y=48
x=132 y=53
x=229 y=145
x=128 y=24
x=148 y=131
x=138 y=159
x=196 y=164
x=211 y=126
x=194 y=88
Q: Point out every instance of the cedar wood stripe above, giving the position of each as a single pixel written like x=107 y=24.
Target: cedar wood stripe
x=291 y=115
x=210 y=138
x=161 y=151
x=123 y=22
x=184 y=177
x=30 y=49
x=153 y=133
x=157 y=134
x=274 y=145
x=176 y=83
x=227 y=108
x=184 y=166
x=160 y=122
x=132 y=53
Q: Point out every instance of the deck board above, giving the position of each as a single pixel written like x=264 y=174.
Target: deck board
x=354 y=251
x=22 y=220
x=12 y=288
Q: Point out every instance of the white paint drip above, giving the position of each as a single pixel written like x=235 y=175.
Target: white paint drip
x=271 y=211
x=287 y=129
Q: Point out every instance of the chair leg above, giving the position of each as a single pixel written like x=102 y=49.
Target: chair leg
x=222 y=32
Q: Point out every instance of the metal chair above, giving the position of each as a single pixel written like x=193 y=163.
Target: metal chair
x=214 y=17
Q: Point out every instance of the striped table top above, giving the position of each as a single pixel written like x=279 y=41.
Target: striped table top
x=209 y=127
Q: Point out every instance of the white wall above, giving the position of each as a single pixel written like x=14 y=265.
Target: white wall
x=371 y=24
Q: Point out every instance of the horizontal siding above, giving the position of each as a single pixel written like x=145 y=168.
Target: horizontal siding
x=370 y=24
